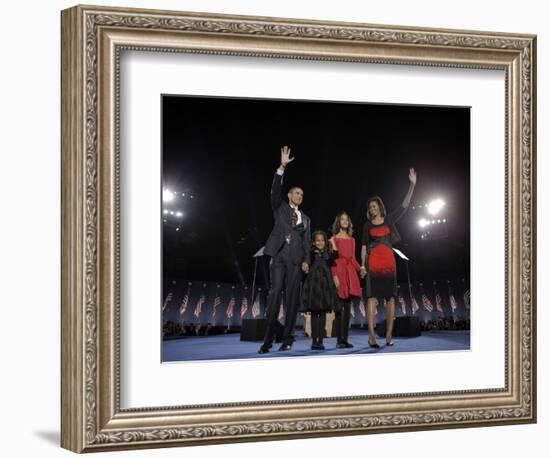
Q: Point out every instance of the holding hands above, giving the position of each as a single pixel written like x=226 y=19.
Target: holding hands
x=334 y=248
x=363 y=271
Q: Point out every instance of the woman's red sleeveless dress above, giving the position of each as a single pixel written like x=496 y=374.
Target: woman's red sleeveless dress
x=346 y=268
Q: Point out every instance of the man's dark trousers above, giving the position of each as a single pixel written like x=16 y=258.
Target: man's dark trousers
x=284 y=273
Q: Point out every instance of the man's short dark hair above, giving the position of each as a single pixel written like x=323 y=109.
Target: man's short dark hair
x=295 y=187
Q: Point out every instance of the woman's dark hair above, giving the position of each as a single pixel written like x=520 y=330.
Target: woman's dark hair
x=325 y=237
x=336 y=225
x=378 y=200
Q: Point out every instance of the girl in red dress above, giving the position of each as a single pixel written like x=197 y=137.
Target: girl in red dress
x=378 y=261
x=345 y=272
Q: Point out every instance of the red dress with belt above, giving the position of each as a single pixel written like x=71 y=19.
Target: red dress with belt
x=378 y=239
x=381 y=258
x=346 y=268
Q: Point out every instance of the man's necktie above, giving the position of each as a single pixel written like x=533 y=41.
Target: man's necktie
x=294 y=218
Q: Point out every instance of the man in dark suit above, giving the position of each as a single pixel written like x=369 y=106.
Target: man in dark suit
x=289 y=246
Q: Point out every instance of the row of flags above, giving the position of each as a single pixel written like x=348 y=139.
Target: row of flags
x=255 y=311
x=217 y=301
x=426 y=303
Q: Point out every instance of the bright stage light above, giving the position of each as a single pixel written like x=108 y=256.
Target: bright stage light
x=167 y=195
x=423 y=222
x=165 y=212
x=179 y=214
x=435 y=206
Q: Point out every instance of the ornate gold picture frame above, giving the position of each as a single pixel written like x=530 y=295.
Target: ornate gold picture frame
x=92 y=40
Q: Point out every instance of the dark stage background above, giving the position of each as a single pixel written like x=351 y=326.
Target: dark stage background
x=219 y=156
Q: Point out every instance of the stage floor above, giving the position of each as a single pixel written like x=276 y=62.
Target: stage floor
x=229 y=346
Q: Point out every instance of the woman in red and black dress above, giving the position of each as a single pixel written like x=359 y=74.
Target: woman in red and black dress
x=378 y=261
x=345 y=272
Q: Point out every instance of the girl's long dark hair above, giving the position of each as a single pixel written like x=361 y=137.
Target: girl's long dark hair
x=336 y=225
x=378 y=200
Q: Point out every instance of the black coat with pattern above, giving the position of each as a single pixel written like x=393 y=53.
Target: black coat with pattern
x=318 y=291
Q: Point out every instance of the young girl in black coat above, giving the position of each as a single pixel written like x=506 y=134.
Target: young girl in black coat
x=319 y=294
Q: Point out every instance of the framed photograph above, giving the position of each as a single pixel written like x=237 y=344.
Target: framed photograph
x=278 y=228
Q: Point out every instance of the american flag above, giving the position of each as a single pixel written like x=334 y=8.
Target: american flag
x=184 y=302
x=427 y=303
x=403 y=305
x=198 y=307
x=256 y=306
x=467 y=299
x=454 y=305
x=167 y=300
x=244 y=305
x=217 y=301
x=414 y=304
x=230 y=307
x=438 y=302
x=281 y=311
x=376 y=306
x=362 y=310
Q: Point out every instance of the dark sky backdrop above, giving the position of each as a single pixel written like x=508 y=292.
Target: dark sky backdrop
x=224 y=151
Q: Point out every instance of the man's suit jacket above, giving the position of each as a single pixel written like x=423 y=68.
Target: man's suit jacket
x=300 y=245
